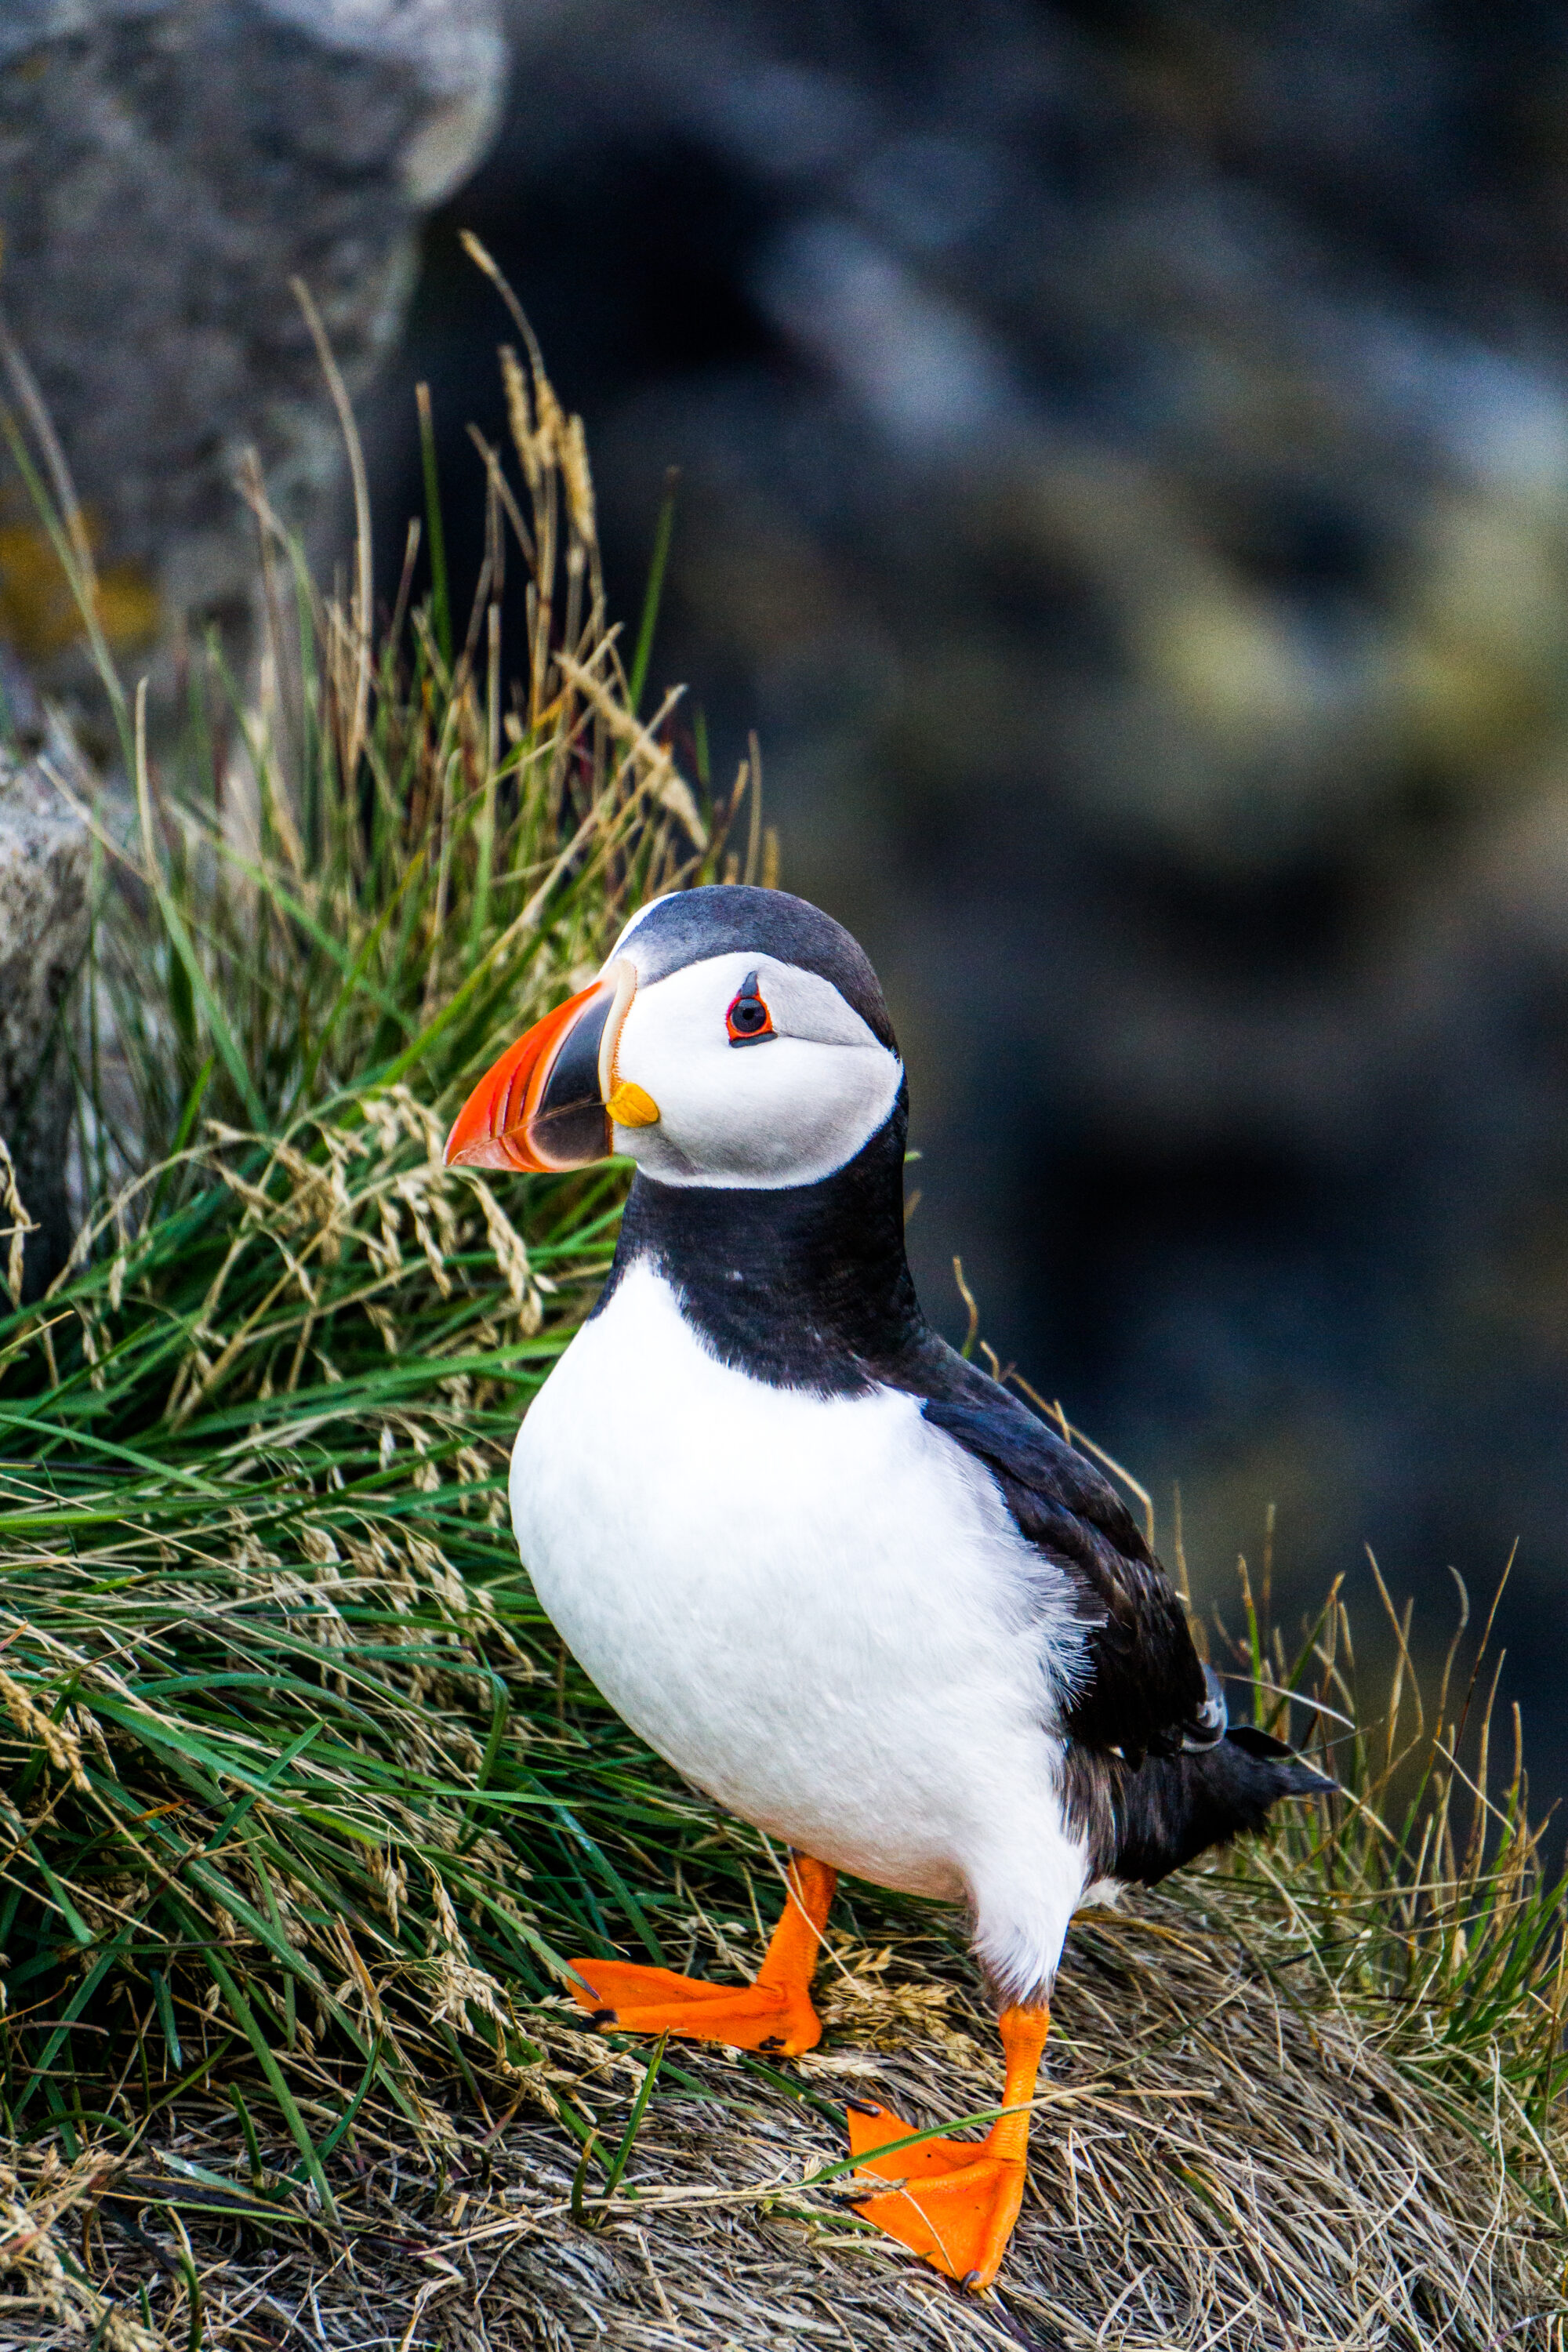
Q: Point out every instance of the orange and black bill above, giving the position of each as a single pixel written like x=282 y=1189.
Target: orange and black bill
x=544 y=1105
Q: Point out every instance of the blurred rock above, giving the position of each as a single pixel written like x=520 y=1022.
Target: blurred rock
x=1125 y=481
x=43 y=862
x=167 y=167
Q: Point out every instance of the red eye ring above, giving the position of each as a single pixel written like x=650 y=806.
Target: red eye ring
x=748 y=1020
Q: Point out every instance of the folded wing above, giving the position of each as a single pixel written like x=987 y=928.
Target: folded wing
x=1152 y=1774
x=1147 y=1691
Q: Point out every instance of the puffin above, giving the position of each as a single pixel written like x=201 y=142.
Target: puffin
x=851 y=1587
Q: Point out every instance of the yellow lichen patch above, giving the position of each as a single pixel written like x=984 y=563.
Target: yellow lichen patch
x=129 y=608
x=40 y=609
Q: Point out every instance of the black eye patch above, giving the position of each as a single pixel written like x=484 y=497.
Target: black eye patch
x=748 y=1020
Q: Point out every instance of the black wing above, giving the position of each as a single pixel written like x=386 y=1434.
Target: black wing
x=1147 y=1690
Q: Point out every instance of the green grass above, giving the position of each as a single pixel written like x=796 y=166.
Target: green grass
x=302 y=1798
x=290 y=1758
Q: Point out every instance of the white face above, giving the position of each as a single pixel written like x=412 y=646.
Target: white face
x=786 y=1108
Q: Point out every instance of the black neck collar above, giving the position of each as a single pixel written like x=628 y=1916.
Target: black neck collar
x=803 y=1287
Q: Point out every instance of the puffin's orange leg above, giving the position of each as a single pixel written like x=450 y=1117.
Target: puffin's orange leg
x=959 y=2197
x=774 y=2012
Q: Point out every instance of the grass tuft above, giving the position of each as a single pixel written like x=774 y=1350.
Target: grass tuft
x=287 y=1747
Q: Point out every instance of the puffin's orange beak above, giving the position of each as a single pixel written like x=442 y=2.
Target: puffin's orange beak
x=553 y=1100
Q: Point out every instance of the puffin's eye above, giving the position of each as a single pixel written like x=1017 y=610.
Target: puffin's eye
x=749 y=1022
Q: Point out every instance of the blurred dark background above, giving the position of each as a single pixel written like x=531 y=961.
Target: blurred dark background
x=1124 y=481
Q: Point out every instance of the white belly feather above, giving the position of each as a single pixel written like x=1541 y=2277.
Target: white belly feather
x=818 y=1610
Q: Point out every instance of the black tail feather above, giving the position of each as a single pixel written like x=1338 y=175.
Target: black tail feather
x=1146 y=1820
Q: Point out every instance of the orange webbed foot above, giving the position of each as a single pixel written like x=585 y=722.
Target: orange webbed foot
x=958 y=2199
x=957 y=2204
x=773 y=2015
x=627 y=1999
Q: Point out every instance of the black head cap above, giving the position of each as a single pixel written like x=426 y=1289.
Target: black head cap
x=719 y=917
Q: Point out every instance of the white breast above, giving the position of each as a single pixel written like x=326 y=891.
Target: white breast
x=818 y=1609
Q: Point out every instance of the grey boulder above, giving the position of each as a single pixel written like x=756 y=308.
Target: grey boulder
x=166 y=168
